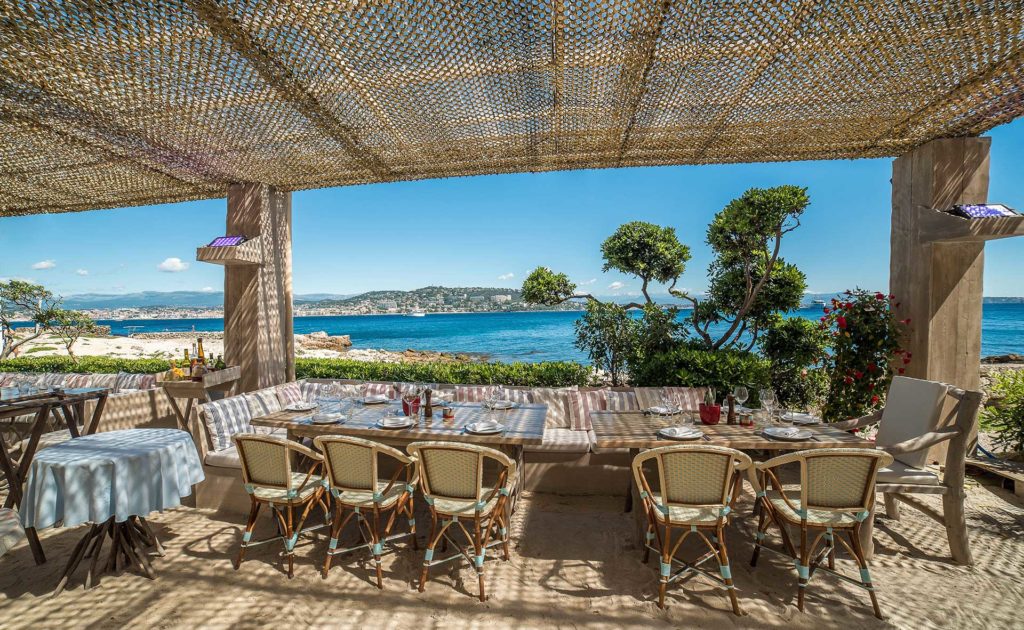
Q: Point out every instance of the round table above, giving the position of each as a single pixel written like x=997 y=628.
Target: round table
x=112 y=481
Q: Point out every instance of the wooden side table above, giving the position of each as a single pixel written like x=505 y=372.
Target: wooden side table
x=191 y=391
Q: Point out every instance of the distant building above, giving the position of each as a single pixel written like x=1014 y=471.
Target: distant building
x=388 y=304
x=477 y=299
x=501 y=299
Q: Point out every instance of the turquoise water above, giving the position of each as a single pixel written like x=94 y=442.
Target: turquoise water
x=529 y=336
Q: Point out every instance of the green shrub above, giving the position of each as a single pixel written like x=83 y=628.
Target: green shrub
x=85 y=365
x=1005 y=413
x=552 y=374
x=795 y=347
x=691 y=365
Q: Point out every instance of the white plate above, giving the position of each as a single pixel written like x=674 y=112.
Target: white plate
x=301 y=406
x=329 y=418
x=791 y=434
x=500 y=404
x=681 y=433
x=395 y=422
x=485 y=428
x=375 y=399
x=800 y=418
x=662 y=411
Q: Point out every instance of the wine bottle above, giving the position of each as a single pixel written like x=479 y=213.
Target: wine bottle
x=200 y=355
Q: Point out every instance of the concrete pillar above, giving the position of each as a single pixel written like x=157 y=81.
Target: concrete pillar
x=938 y=280
x=258 y=334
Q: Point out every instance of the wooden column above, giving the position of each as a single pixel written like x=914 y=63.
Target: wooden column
x=258 y=333
x=936 y=265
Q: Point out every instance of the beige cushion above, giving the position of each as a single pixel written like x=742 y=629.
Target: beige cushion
x=582 y=403
x=263 y=402
x=227 y=458
x=102 y=380
x=898 y=472
x=913 y=407
x=557 y=401
x=562 y=441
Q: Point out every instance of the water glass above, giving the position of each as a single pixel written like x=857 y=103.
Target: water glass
x=741 y=394
x=24 y=389
x=768 y=402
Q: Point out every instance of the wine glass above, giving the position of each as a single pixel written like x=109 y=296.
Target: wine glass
x=364 y=391
x=679 y=401
x=666 y=403
x=768 y=401
x=499 y=394
x=741 y=394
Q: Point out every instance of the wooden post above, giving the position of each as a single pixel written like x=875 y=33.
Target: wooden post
x=258 y=333
x=938 y=279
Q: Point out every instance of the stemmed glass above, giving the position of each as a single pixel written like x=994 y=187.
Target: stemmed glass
x=741 y=394
x=666 y=404
x=768 y=401
x=364 y=391
x=678 y=401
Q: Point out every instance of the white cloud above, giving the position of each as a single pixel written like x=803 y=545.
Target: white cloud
x=45 y=264
x=507 y=276
x=82 y=272
x=586 y=282
x=615 y=286
x=172 y=265
x=207 y=289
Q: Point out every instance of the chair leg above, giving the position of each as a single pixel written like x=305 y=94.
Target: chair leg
x=956 y=527
x=665 y=568
x=802 y=569
x=478 y=558
x=254 y=511
x=288 y=546
x=429 y=554
x=892 y=506
x=762 y=527
x=376 y=548
x=336 y=526
x=726 y=570
x=865 y=575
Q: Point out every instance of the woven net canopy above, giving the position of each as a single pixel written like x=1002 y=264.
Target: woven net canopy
x=129 y=102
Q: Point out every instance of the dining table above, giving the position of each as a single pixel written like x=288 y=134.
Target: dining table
x=111 y=481
x=68 y=407
x=637 y=430
x=523 y=425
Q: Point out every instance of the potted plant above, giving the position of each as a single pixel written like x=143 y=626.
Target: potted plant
x=710 y=413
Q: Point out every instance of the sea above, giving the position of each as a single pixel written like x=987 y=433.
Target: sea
x=532 y=336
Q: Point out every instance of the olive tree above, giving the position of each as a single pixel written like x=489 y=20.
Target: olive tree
x=69 y=326
x=23 y=301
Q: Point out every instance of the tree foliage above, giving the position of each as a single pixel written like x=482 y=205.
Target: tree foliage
x=23 y=301
x=646 y=251
x=546 y=287
x=69 y=326
x=606 y=333
x=795 y=348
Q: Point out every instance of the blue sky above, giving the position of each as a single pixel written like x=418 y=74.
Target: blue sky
x=491 y=231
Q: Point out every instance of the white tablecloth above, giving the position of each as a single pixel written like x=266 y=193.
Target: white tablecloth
x=120 y=473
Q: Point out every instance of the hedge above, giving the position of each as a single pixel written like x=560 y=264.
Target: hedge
x=690 y=365
x=551 y=374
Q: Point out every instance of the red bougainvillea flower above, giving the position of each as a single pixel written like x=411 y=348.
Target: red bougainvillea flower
x=872 y=367
x=848 y=380
x=841 y=322
x=879 y=296
x=826 y=310
x=901 y=370
x=906 y=360
x=874 y=400
x=858 y=374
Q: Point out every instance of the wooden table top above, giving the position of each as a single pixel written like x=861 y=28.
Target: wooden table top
x=634 y=429
x=525 y=424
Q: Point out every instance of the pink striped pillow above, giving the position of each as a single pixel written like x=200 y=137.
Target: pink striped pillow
x=381 y=389
x=622 y=401
x=289 y=393
x=692 y=396
x=519 y=396
x=473 y=393
x=580 y=406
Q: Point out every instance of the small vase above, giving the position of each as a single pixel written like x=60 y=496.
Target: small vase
x=411 y=409
x=710 y=414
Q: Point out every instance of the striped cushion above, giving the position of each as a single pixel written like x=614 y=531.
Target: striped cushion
x=77 y=380
x=289 y=394
x=622 y=401
x=102 y=380
x=557 y=401
x=263 y=402
x=312 y=391
x=580 y=406
x=380 y=389
x=134 y=381
x=10 y=530
x=225 y=418
x=520 y=396
x=692 y=396
x=473 y=393
x=51 y=380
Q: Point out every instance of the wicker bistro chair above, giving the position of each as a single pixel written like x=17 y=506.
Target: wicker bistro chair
x=837 y=490
x=268 y=478
x=360 y=493
x=698 y=486
x=452 y=480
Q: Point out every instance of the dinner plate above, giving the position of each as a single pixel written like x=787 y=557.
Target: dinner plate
x=797 y=417
x=485 y=428
x=790 y=434
x=301 y=406
x=375 y=399
x=681 y=433
x=328 y=418
x=395 y=422
x=662 y=411
x=500 y=404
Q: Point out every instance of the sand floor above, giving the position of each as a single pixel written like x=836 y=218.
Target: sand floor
x=574 y=564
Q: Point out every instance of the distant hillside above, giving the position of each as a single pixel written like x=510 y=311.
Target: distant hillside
x=169 y=299
x=425 y=293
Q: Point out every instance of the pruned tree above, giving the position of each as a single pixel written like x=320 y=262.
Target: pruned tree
x=69 y=326
x=23 y=301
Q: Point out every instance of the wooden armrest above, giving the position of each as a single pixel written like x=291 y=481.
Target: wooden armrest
x=308 y=452
x=857 y=423
x=921 y=442
x=778 y=461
